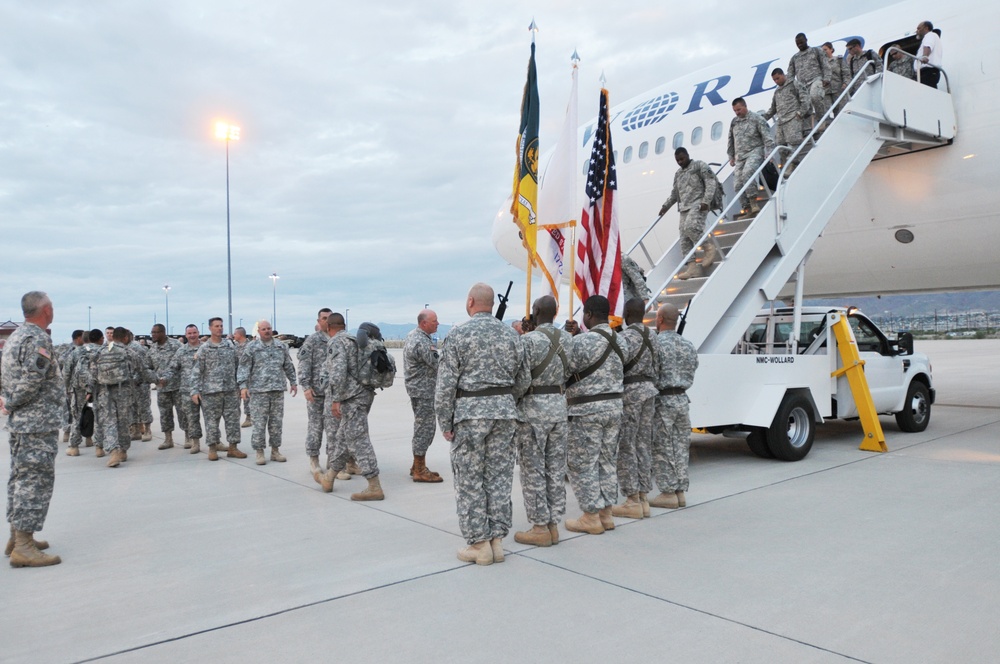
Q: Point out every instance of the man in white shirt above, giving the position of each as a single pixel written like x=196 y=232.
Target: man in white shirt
x=929 y=56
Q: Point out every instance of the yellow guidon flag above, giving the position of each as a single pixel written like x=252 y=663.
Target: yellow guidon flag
x=524 y=204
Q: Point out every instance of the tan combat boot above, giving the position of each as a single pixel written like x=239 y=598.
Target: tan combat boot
x=89 y=442
x=709 y=255
x=133 y=432
x=645 y=505
x=606 y=519
x=681 y=500
x=683 y=274
x=168 y=441
x=246 y=422
x=195 y=445
x=277 y=456
x=421 y=473
x=147 y=435
x=187 y=442
x=589 y=523
x=313 y=464
x=324 y=478
x=73 y=451
x=537 y=536
x=39 y=544
x=116 y=458
x=497 y=545
x=99 y=452
x=373 y=492
x=213 y=452
x=694 y=271
x=352 y=467
x=667 y=500
x=554 y=532
x=343 y=476
x=26 y=554
x=630 y=509
x=260 y=458
x=480 y=553
x=236 y=453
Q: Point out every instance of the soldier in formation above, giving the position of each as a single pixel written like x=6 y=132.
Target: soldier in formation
x=694 y=191
x=213 y=386
x=420 y=364
x=264 y=368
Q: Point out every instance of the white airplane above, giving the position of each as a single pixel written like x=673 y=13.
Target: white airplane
x=917 y=222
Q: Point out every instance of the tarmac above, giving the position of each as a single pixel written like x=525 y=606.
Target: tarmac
x=845 y=556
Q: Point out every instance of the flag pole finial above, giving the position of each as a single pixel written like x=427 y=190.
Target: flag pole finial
x=604 y=80
x=575 y=58
x=533 y=28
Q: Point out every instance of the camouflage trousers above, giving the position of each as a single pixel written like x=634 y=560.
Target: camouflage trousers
x=113 y=409
x=482 y=461
x=671 y=442
x=189 y=416
x=820 y=102
x=142 y=410
x=316 y=424
x=424 y=424
x=692 y=228
x=592 y=458
x=32 y=476
x=330 y=426
x=221 y=406
x=541 y=449
x=167 y=403
x=77 y=401
x=634 y=447
x=267 y=410
x=352 y=436
x=789 y=132
x=744 y=169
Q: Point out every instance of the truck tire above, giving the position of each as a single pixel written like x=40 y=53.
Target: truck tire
x=790 y=436
x=757 y=442
x=916 y=413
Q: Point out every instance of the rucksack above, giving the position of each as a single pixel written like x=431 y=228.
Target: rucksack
x=113 y=366
x=377 y=368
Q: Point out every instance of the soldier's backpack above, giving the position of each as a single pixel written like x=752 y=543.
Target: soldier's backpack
x=113 y=367
x=81 y=378
x=376 y=367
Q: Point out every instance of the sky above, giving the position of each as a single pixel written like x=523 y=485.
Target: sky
x=377 y=144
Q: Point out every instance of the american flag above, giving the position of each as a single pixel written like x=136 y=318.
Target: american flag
x=598 y=249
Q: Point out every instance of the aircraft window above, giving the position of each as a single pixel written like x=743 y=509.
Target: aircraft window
x=696 y=135
x=678 y=139
x=627 y=157
x=643 y=149
x=615 y=153
x=716 y=131
x=661 y=144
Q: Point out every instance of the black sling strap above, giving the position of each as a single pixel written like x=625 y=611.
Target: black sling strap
x=612 y=345
x=645 y=344
x=555 y=346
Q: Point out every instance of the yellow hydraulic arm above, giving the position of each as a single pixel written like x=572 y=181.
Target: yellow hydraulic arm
x=854 y=369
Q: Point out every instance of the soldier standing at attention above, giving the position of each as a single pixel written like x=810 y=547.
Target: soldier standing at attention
x=672 y=426
x=312 y=355
x=481 y=370
x=594 y=400
x=542 y=426
x=749 y=142
x=213 y=386
x=350 y=403
x=168 y=395
x=263 y=370
x=811 y=68
x=420 y=365
x=240 y=339
x=694 y=190
x=639 y=404
x=789 y=105
x=113 y=370
x=181 y=368
x=32 y=395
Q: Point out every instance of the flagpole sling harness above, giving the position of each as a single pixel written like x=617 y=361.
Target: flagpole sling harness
x=629 y=380
x=579 y=376
x=555 y=346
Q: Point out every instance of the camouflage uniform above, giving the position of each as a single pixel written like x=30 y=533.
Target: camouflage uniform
x=693 y=186
x=420 y=363
x=856 y=64
x=789 y=105
x=672 y=428
x=902 y=67
x=213 y=376
x=312 y=355
x=595 y=417
x=749 y=142
x=142 y=411
x=839 y=77
x=639 y=404
x=264 y=367
x=811 y=68
x=33 y=392
x=168 y=397
x=181 y=368
x=351 y=437
x=240 y=347
x=634 y=281
x=542 y=426
x=63 y=351
x=77 y=374
x=113 y=402
x=479 y=355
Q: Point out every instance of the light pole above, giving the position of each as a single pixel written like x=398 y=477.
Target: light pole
x=347 y=319
x=274 y=299
x=166 y=297
x=228 y=132
x=88 y=318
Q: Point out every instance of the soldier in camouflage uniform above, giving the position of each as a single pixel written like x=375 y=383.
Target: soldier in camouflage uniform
x=180 y=370
x=811 y=69
x=839 y=76
x=858 y=59
x=694 y=190
x=213 y=386
x=789 y=105
x=542 y=426
x=639 y=403
x=901 y=65
x=240 y=339
x=350 y=402
x=312 y=355
x=264 y=368
x=749 y=143
x=32 y=394
x=77 y=375
x=63 y=352
x=481 y=369
x=672 y=425
x=168 y=395
x=142 y=410
x=113 y=370
x=594 y=400
x=633 y=280
x=420 y=363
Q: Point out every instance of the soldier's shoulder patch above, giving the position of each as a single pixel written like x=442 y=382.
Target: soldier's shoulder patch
x=44 y=352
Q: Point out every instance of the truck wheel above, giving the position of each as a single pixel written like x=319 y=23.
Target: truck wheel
x=757 y=442
x=916 y=413
x=791 y=434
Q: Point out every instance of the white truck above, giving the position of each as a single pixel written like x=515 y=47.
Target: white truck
x=776 y=387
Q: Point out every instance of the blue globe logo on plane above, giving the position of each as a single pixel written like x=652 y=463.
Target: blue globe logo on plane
x=649 y=112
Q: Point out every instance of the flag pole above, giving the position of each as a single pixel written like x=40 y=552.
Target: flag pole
x=533 y=28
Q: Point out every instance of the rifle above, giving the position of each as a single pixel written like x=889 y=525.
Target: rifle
x=502 y=309
x=680 y=324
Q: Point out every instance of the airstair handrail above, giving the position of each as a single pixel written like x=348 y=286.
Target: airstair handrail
x=895 y=49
